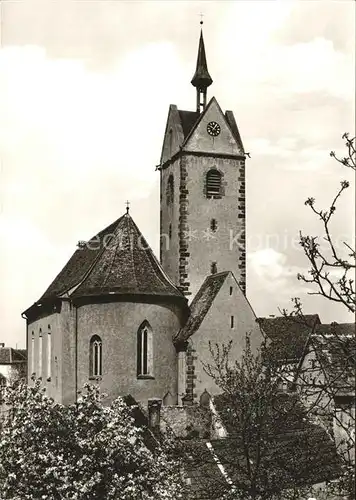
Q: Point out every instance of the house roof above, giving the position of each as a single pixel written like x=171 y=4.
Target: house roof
x=117 y=261
x=201 y=304
x=9 y=356
x=288 y=335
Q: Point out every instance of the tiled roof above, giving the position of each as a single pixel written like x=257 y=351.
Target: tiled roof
x=201 y=304
x=9 y=356
x=116 y=261
x=288 y=335
x=188 y=119
x=335 y=345
x=79 y=264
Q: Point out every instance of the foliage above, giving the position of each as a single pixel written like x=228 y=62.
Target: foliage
x=84 y=451
x=271 y=461
x=328 y=388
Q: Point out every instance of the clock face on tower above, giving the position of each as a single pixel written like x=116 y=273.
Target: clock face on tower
x=213 y=129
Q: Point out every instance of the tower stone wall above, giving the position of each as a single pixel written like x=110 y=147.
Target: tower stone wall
x=193 y=247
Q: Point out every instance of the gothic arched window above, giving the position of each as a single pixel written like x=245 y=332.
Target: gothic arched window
x=213 y=184
x=95 y=356
x=49 y=353
x=32 y=353
x=170 y=190
x=144 y=350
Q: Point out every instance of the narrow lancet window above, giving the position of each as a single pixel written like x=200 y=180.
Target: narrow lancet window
x=49 y=353
x=95 y=357
x=32 y=353
x=144 y=350
x=170 y=190
x=40 y=353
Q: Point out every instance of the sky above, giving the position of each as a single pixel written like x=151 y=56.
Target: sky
x=85 y=88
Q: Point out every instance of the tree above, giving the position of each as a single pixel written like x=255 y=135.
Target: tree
x=272 y=448
x=84 y=451
x=331 y=390
x=332 y=270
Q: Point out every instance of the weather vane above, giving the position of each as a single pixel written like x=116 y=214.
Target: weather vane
x=127 y=206
x=201 y=18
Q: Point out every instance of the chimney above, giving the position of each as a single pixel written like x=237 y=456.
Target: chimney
x=154 y=414
x=2 y=344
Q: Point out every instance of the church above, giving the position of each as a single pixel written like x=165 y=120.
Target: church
x=117 y=316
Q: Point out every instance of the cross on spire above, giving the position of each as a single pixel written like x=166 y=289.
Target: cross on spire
x=127 y=206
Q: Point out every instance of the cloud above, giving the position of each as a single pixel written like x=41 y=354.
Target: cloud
x=270 y=264
x=84 y=94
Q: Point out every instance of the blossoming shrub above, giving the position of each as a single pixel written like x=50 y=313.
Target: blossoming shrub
x=84 y=451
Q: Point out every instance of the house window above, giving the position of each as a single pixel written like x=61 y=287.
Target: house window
x=232 y=322
x=213 y=268
x=213 y=225
x=170 y=190
x=230 y=290
x=170 y=231
x=213 y=183
x=96 y=356
x=49 y=353
x=40 y=353
x=144 y=351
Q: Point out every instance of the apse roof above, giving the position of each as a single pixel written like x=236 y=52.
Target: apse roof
x=117 y=260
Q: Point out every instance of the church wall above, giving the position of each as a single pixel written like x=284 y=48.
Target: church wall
x=226 y=246
x=117 y=325
x=216 y=327
x=54 y=385
x=68 y=318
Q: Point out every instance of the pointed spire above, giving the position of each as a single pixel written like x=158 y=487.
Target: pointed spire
x=201 y=79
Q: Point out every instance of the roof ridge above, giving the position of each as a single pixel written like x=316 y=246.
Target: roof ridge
x=101 y=251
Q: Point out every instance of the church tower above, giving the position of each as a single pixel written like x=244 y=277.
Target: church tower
x=202 y=185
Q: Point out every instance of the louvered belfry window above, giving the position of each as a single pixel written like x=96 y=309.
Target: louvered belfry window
x=213 y=183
